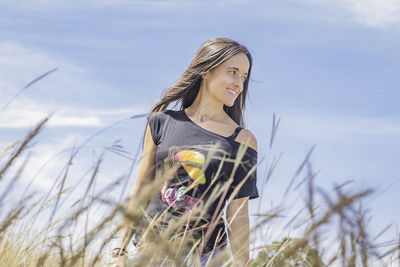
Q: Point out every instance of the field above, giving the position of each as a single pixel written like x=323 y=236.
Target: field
x=34 y=233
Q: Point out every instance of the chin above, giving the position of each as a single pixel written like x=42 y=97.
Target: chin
x=229 y=104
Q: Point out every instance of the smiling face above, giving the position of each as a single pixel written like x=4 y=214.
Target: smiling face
x=225 y=82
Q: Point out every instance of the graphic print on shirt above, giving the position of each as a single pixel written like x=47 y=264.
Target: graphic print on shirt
x=188 y=176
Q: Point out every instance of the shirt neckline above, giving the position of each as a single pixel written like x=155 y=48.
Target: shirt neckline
x=189 y=119
x=208 y=131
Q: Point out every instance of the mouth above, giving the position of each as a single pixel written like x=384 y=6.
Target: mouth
x=232 y=92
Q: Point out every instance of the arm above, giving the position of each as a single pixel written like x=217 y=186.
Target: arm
x=238 y=215
x=145 y=176
x=239 y=230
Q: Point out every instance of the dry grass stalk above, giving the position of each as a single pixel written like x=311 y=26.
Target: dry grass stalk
x=174 y=244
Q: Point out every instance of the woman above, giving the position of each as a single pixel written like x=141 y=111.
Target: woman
x=211 y=158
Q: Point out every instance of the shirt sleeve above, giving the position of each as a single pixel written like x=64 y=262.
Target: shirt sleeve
x=247 y=169
x=155 y=121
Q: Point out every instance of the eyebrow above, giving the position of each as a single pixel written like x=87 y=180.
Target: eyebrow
x=237 y=69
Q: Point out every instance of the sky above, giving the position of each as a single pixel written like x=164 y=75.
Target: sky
x=326 y=69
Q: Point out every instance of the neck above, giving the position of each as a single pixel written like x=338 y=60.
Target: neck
x=204 y=111
x=205 y=107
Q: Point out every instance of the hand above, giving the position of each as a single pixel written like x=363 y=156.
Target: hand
x=119 y=261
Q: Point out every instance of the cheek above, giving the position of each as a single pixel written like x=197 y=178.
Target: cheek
x=222 y=81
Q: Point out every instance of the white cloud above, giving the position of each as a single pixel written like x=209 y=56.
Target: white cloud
x=376 y=13
x=75 y=121
x=372 y=13
x=26 y=114
x=19 y=65
x=48 y=158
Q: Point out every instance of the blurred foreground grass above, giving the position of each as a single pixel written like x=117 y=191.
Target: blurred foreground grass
x=55 y=243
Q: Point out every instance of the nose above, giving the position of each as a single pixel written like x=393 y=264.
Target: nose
x=238 y=85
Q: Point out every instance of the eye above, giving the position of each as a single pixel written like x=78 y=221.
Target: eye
x=233 y=72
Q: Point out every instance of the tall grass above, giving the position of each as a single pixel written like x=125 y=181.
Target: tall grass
x=55 y=243
x=37 y=230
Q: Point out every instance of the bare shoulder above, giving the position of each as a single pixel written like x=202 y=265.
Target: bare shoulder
x=245 y=136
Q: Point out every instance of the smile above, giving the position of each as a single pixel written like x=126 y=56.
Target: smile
x=232 y=92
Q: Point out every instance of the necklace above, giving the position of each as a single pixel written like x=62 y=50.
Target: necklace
x=203 y=118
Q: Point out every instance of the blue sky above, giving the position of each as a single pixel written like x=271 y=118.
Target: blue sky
x=327 y=69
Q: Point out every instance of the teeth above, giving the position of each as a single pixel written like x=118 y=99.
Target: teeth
x=232 y=92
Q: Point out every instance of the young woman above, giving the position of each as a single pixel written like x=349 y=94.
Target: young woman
x=213 y=159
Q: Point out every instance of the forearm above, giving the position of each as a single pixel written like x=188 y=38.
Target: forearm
x=138 y=199
x=239 y=231
x=128 y=228
x=127 y=233
x=239 y=236
x=132 y=215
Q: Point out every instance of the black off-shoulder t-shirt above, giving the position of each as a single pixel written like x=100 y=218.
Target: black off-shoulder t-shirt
x=208 y=170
